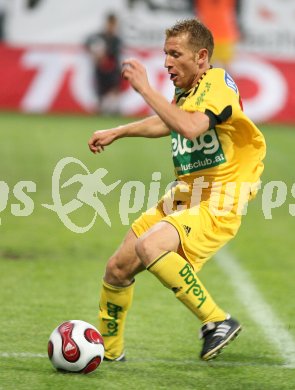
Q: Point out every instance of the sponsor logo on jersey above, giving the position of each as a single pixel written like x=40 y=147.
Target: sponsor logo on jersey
x=208 y=143
x=202 y=152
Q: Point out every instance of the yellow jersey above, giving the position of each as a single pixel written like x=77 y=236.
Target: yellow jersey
x=233 y=148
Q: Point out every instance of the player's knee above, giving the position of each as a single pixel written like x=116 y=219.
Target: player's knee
x=143 y=249
x=117 y=274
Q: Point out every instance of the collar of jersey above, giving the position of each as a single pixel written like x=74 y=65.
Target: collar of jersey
x=181 y=93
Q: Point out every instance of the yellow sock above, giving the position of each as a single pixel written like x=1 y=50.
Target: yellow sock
x=113 y=306
x=177 y=274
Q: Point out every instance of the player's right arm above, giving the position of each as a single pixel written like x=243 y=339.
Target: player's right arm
x=151 y=127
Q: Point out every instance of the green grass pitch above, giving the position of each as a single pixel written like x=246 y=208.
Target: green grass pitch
x=50 y=274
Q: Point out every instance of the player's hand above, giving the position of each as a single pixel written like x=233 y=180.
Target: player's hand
x=100 y=139
x=135 y=73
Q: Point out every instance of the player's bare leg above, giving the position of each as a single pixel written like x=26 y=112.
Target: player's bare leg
x=124 y=264
x=157 y=250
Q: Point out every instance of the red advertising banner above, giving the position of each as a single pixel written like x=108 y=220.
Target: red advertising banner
x=45 y=79
x=59 y=79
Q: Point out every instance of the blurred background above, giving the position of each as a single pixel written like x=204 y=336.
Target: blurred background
x=64 y=57
x=59 y=82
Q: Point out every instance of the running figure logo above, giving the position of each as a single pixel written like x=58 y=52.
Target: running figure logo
x=92 y=185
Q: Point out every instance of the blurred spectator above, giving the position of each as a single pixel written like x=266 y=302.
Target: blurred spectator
x=3 y=5
x=163 y=5
x=33 y=3
x=105 y=49
x=221 y=17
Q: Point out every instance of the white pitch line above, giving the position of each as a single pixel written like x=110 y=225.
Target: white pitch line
x=258 y=309
x=22 y=355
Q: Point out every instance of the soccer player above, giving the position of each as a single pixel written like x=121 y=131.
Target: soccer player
x=217 y=152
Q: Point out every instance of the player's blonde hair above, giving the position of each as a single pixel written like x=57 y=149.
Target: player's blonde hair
x=199 y=36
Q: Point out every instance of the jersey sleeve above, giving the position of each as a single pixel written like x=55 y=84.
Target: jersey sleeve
x=217 y=96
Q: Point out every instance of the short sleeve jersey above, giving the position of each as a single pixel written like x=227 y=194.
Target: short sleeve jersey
x=232 y=149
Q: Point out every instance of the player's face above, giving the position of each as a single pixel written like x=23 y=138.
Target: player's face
x=181 y=62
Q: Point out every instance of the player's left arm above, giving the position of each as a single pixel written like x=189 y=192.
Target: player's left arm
x=189 y=124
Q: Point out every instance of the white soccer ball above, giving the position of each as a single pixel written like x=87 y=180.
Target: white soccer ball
x=76 y=346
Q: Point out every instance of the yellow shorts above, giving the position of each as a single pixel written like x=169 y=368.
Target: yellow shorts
x=201 y=233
